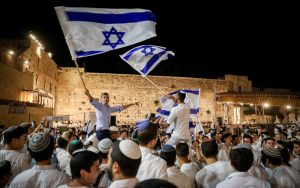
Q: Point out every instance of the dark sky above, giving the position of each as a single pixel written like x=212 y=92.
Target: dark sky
x=256 y=40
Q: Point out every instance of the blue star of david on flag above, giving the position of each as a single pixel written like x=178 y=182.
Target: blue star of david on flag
x=107 y=35
x=148 y=50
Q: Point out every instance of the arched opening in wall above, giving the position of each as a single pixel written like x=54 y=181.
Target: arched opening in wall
x=240 y=89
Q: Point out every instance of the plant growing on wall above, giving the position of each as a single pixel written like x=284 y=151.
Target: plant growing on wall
x=208 y=112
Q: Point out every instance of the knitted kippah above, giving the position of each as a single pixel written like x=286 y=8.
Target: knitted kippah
x=272 y=152
x=39 y=142
x=113 y=129
x=130 y=149
x=104 y=145
x=239 y=146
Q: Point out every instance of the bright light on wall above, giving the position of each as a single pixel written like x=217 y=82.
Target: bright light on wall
x=288 y=107
x=266 y=105
x=50 y=54
x=11 y=52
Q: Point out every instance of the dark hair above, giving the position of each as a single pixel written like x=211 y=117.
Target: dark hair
x=129 y=167
x=272 y=160
x=104 y=94
x=75 y=145
x=150 y=133
x=296 y=142
x=226 y=135
x=182 y=149
x=241 y=159
x=155 y=183
x=62 y=143
x=285 y=156
x=5 y=168
x=45 y=154
x=181 y=96
x=248 y=136
x=209 y=149
x=169 y=157
x=83 y=160
x=16 y=133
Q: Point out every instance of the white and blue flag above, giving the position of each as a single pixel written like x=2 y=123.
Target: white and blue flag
x=91 y=31
x=146 y=57
x=192 y=98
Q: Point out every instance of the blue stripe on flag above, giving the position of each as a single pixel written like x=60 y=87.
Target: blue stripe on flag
x=152 y=61
x=88 y=53
x=186 y=91
x=163 y=112
x=111 y=18
x=194 y=111
x=129 y=54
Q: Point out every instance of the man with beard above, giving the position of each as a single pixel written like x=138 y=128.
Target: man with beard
x=124 y=159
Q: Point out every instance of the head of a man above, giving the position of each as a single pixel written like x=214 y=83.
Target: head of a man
x=269 y=142
x=104 y=98
x=180 y=97
x=247 y=139
x=297 y=148
x=124 y=159
x=85 y=167
x=147 y=135
x=41 y=146
x=209 y=149
x=15 y=137
x=241 y=157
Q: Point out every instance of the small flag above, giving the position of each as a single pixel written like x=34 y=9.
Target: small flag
x=146 y=57
x=91 y=31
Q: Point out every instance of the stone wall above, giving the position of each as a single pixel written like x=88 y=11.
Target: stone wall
x=31 y=113
x=238 y=83
x=124 y=89
x=12 y=82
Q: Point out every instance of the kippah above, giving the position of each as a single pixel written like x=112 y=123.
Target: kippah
x=113 y=129
x=93 y=149
x=167 y=148
x=272 y=152
x=143 y=124
x=240 y=146
x=104 y=145
x=130 y=149
x=78 y=151
x=39 y=142
x=11 y=129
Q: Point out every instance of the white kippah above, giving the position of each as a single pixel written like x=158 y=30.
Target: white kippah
x=242 y=145
x=113 y=129
x=93 y=149
x=130 y=149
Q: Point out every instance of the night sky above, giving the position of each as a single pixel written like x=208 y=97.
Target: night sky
x=260 y=41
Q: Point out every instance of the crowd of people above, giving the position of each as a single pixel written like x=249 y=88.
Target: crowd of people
x=109 y=157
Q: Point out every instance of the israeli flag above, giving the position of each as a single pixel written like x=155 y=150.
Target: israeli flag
x=146 y=57
x=192 y=98
x=91 y=31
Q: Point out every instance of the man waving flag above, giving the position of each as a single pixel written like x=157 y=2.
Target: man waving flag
x=146 y=57
x=91 y=31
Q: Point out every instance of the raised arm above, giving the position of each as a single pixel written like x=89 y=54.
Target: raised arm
x=87 y=93
x=128 y=105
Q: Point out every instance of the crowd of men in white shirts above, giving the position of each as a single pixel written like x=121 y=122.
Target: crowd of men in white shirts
x=34 y=157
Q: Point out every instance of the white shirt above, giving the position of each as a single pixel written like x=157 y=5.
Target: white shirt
x=19 y=161
x=125 y=183
x=63 y=157
x=190 y=169
x=40 y=176
x=285 y=176
x=180 y=115
x=295 y=163
x=213 y=174
x=259 y=172
x=66 y=186
x=151 y=166
x=224 y=151
x=243 y=179
x=178 y=178
x=93 y=138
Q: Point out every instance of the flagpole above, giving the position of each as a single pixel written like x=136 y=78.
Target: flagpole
x=154 y=84
x=77 y=67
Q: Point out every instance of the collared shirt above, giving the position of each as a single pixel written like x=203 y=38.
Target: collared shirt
x=243 y=179
x=42 y=176
x=93 y=138
x=151 y=166
x=295 y=163
x=285 y=176
x=178 y=178
x=19 y=161
x=125 y=183
x=180 y=116
x=190 y=169
x=213 y=174
x=63 y=157
x=103 y=113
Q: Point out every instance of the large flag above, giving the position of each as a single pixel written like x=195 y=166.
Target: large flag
x=192 y=98
x=91 y=31
x=146 y=57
